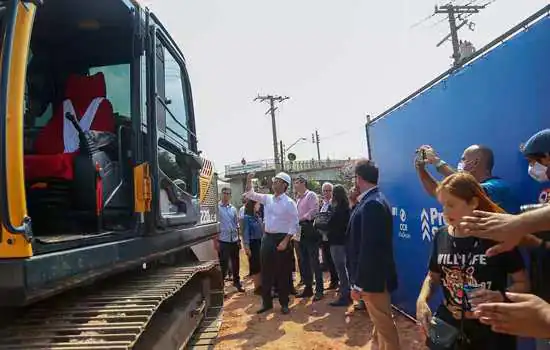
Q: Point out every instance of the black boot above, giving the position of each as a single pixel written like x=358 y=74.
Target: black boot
x=306 y=293
x=239 y=287
x=264 y=308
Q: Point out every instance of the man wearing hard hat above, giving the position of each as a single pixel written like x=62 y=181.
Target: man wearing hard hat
x=281 y=224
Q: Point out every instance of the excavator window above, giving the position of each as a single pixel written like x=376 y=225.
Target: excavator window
x=178 y=172
x=117 y=80
x=172 y=117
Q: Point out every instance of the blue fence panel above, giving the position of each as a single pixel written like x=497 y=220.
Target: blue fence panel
x=499 y=100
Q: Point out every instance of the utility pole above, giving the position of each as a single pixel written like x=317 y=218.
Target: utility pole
x=315 y=140
x=272 y=99
x=282 y=147
x=454 y=12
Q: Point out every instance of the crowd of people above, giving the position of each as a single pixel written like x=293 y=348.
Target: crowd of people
x=477 y=257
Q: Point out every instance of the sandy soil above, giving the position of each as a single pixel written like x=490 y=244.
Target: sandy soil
x=308 y=326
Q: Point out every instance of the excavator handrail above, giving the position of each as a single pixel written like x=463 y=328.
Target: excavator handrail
x=11 y=15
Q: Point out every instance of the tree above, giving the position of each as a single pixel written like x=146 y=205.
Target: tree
x=345 y=175
x=314 y=186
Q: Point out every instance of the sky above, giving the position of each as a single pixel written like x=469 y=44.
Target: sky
x=336 y=60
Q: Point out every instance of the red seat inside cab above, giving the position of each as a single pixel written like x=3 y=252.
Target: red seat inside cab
x=50 y=160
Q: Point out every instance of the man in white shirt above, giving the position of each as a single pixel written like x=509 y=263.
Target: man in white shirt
x=281 y=224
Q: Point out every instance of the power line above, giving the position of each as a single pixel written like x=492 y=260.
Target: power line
x=422 y=21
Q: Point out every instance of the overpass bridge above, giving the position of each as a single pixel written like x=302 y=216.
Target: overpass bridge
x=328 y=170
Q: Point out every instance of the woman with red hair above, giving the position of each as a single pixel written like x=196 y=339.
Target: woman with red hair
x=468 y=276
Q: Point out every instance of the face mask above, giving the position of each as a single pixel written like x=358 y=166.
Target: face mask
x=460 y=166
x=538 y=172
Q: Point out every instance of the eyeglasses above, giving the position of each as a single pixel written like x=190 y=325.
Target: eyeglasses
x=227 y=193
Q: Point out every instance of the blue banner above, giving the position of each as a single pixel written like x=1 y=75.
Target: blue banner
x=499 y=100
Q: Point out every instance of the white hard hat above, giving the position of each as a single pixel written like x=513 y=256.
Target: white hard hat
x=283 y=176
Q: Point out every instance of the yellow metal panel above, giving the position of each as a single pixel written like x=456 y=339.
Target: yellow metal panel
x=15 y=246
x=142 y=188
x=206 y=176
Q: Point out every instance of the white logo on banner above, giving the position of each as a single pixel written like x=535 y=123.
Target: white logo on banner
x=403 y=227
x=430 y=222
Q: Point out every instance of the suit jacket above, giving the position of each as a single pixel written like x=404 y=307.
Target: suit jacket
x=370 y=244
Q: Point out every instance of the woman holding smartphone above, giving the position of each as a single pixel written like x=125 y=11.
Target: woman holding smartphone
x=468 y=276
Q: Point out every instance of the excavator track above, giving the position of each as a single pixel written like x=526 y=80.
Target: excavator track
x=112 y=315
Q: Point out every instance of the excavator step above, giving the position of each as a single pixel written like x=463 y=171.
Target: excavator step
x=205 y=337
x=112 y=316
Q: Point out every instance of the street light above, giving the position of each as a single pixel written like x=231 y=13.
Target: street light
x=285 y=150
x=295 y=143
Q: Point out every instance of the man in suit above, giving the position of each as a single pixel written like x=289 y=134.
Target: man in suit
x=370 y=251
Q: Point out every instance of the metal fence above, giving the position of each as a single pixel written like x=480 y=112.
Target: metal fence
x=294 y=167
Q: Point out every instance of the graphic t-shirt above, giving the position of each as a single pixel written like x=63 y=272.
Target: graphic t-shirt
x=449 y=254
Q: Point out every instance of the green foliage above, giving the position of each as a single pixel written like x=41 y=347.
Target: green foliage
x=345 y=175
x=314 y=186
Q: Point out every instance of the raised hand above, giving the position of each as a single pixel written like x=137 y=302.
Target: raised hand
x=504 y=228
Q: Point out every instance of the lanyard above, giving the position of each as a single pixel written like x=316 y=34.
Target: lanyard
x=464 y=300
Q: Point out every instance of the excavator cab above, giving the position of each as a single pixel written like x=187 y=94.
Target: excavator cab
x=72 y=170
x=99 y=161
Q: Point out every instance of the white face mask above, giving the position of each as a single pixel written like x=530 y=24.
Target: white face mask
x=460 y=166
x=538 y=172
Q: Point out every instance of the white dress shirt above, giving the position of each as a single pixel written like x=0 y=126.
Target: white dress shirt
x=324 y=209
x=280 y=212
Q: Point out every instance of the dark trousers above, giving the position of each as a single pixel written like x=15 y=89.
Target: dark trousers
x=229 y=252
x=299 y=260
x=309 y=254
x=329 y=263
x=276 y=268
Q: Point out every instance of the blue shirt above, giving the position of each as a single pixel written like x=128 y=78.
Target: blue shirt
x=252 y=229
x=228 y=223
x=500 y=192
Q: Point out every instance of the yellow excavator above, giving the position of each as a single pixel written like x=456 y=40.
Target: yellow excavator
x=108 y=212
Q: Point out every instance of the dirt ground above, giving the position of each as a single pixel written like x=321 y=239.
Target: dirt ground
x=308 y=326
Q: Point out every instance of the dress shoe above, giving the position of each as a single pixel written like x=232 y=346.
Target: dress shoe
x=340 y=302
x=318 y=296
x=240 y=288
x=285 y=310
x=264 y=309
x=306 y=293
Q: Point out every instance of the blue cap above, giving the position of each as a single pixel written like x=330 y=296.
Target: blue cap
x=538 y=143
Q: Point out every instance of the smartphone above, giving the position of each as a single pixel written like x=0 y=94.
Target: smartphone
x=423 y=154
x=469 y=290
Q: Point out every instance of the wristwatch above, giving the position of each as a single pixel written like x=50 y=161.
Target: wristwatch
x=439 y=164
